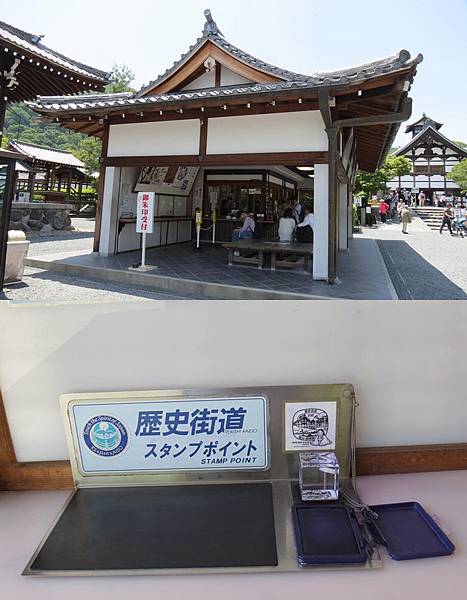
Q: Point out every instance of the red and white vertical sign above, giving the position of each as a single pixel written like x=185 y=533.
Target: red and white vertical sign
x=145 y=212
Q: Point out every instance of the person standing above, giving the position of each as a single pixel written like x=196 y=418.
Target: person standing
x=400 y=206
x=393 y=204
x=421 y=198
x=405 y=218
x=383 y=210
x=447 y=218
x=297 y=211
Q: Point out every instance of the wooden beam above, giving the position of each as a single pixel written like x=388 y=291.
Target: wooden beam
x=56 y=475
x=270 y=158
x=203 y=138
x=323 y=101
x=411 y=459
x=7 y=450
x=217 y=81
x=383 y=119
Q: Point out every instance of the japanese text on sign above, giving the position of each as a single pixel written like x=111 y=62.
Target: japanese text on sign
x=220 y=433
x=145 y=212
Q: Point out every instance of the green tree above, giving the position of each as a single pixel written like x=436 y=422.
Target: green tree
x=89 y=152
x=462 y=145
x=121 y=78
x=371 y=183
x=459 y=174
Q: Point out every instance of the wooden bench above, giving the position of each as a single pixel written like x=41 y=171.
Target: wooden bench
x=283 y=254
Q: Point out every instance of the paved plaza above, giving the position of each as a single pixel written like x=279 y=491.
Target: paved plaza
x=423 y=265
x=183 y=272
x=382 y=264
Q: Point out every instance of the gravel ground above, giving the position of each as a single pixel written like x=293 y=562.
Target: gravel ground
x=423 y=265
x=39 y=285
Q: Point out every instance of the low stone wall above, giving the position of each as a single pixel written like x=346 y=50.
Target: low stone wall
x=40 y=217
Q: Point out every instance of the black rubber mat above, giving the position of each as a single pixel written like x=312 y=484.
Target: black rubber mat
x=225 y=525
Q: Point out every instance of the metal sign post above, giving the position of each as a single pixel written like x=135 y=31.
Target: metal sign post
x=198 y=222
x=144 y=225
x=214 y=220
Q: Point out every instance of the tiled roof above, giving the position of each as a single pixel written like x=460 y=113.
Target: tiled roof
x=425 y=121
x=436 y=135
x=31 y=43
x=357 y=74
x=44 y=154
x=212 y=33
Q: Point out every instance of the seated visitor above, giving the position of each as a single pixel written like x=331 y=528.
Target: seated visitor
x=286 y=226
x=245 y=232
x=305 y=228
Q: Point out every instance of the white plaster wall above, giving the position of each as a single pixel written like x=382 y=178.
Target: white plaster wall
x=228 y=77
x=154 y=139
x=279 y=132
x=109 y=217
x=206 y=80
x=320 y=232
x=403 y=371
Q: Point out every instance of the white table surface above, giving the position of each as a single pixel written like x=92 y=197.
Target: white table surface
x=26 y=516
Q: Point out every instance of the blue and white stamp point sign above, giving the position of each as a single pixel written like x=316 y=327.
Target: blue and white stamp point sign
x=171 y=435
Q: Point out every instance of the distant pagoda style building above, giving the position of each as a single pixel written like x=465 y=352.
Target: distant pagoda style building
x=432 y=156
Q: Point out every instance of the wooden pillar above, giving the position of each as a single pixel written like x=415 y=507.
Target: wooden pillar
x=444 y=168
x=100 y=192
x=3 y=104
x=7 y=450
x=31 y=183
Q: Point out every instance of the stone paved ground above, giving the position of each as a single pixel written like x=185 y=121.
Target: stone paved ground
x=423 y=265
x=39 y=285
x=80 y=240
x=45 y=286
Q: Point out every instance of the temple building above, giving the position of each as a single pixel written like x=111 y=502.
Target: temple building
x=225 y=131
x=29 y=68
x=48 y=173
x=432 y=156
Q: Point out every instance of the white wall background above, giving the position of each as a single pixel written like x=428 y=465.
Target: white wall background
x=280 y=132
x=154 y=139
x=406 y=359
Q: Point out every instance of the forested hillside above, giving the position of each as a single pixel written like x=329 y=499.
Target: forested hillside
x=23 y=124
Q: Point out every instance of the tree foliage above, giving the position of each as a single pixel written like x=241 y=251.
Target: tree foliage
x=23 y=124
x=89 y=152
x=462 y=145
x=121 y=78
x=459 y=174
x=367 y=184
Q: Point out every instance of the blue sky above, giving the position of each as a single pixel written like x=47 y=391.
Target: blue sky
x=305 y=36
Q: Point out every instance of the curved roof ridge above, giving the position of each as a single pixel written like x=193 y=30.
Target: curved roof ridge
x=421 y=133
x=32 y=44
x=19 y=143
x=211 y=33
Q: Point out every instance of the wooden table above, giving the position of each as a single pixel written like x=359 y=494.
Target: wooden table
x=283 y=254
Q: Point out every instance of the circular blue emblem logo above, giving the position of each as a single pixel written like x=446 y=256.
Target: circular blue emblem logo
x=105 y=435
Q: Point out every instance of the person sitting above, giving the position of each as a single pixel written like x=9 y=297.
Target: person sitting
x=246 y=231
x=305 y=228
x=286 y=226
